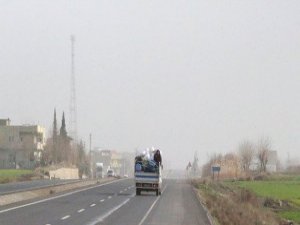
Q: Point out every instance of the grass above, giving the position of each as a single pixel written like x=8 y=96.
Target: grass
x=283 y=190
x=291 y=215
x=13 y=175
x=229 y=206
x=279 y=188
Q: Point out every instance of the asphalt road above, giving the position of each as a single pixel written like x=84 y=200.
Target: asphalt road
x=29 y=185
x=114 y=203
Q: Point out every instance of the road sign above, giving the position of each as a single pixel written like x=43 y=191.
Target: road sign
x=216 y=168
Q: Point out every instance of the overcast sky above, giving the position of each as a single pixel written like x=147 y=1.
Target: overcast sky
x=183 y=76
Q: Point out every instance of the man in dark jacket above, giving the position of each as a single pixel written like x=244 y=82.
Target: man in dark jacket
x=157 y=157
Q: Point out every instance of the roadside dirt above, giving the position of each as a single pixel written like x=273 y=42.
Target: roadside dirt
x=234 y=206
x=48 y=191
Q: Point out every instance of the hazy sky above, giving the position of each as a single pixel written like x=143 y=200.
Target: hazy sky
x=183 y=76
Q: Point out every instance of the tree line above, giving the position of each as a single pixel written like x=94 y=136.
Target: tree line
x=244 y=158
x=62 y=150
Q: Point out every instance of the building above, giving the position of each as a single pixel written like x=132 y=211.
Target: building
x=116 y=162
x=121 y=163
x=20 y=146
x=272 y=162
x=102 y=156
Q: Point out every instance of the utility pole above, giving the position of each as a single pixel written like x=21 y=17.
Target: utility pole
x=91 y=162
x=73 y=105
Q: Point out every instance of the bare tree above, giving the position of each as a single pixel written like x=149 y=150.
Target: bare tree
x=246 y=152
x=263 y=148
x=231 y=161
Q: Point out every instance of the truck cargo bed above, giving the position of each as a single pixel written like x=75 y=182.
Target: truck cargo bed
x=148 y=181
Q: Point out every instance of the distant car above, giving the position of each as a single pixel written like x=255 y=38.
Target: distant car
x=110 y=173
x=125 y=176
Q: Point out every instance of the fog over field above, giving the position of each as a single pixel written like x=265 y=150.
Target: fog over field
x=182 y=76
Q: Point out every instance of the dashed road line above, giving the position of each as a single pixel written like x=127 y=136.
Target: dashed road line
x=80 y=210
x=150 y=209
x=101 y=218
x=125 y=189
x=92 y=205
x=121 y=192
x=102 y=200
x=65 y=217
x=109 y=197
x=56 y=197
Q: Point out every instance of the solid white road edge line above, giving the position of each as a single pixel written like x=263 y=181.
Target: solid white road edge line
x=101 y=218
x=150 y=209
x=59 y=196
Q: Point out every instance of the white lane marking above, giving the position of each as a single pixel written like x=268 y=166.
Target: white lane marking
x=121 y=192
x=102 y=200
x=65 y=217
x=150 y=209
x=92 y=205
x=80 y=210
x=101 y=218
x=48 y=224
x=56 y=197
x=109 y=197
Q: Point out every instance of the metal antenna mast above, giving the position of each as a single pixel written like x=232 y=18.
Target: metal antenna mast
x=73 y=106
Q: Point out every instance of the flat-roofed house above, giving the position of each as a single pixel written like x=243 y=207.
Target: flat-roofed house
x=21 y=146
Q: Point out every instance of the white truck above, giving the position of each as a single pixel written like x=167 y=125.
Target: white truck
x=146 y=180
x=99 y=170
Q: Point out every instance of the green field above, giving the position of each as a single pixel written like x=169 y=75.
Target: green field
x=291 y=215
x=278 y=189
x=283 y=189
x=13 y=175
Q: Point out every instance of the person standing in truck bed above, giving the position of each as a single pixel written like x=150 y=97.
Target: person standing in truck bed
x=157 y=157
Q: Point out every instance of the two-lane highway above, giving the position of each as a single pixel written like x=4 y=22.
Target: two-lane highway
x=112 y=203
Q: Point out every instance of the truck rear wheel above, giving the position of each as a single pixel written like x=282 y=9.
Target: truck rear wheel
x=157 y=192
